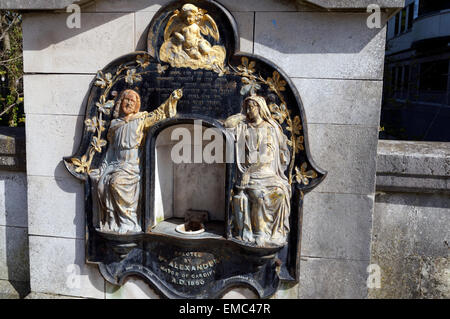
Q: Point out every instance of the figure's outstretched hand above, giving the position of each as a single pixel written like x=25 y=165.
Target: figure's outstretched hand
x=177 y=94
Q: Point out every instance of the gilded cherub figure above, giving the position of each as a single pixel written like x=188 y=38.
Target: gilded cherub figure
x=117 y=182
x=184 y=45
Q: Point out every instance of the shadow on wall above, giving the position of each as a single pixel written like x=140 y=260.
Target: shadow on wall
x=15 y=227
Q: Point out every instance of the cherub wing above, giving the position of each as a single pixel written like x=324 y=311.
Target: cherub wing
x=209 y=27
x=173 y=25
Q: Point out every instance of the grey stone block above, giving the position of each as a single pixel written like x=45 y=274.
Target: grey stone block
x=337 y=225
x=56 y=207
x=51 y=47
x=332 y=279
x=399 y=277
x=14 y=262
x=49 y=139
x=411 y=225
x=341 y=101
x=13 y=199
x=413 y=166
x=321 y=45
x=63 y=94
x=348 y=153
x=58 y=267
x=232 y=5
x=413 y=158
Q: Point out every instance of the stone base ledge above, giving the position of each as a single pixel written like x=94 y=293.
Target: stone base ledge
x=404 y=166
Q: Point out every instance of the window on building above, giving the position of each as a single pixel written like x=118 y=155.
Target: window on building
x=410 y=16
x=403 y=20
x=434 y=76
x=431 y=6
x=405 y=82
x=396 y=21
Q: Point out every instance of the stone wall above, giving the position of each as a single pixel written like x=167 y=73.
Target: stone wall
x=411 y=220
x=335 y=60
x=14 y=260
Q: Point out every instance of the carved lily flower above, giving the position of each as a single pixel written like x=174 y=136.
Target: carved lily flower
x=299 y=144
x=103 y=106
x=161 y=68
x=250 y=86
x=275 y=83
x=303 y=176
x=279 y=112
x=143 y=61
x=103 y=80
x=81 y=164
x=247 y=68
x=98 y=143
x=132 y=76
x=93 y=124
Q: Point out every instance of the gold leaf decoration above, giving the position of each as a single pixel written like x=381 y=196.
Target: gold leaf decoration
x=302 y=176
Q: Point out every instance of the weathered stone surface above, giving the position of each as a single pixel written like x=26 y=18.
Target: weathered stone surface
x=13 y=199
x=13 y=289
x=341 y=101
x=287 y=290
x=435 y=278
x=413 y=158
x=413 y=166
x=58 y=267
x=39 y=295
x=56 y=207
x=399 y=277
x=49 y=139
x=43 y=4
x=337 y=225
x=411 y=225
x=348 y=153
x=321 y=45
x=14 y=262
x=56 y=93
x=240 y=293
x=232 y=5
x=51 y=47
x=133 y=288
x=354 y=4
x=332 y=279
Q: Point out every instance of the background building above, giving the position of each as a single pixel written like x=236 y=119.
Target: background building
x=416 y=98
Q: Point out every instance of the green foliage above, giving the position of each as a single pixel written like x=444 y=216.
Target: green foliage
x=11 y=69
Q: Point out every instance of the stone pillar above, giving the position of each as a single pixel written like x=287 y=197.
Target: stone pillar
x=335 y=60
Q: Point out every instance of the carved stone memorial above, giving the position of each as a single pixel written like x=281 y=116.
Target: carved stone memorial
x=194 y=217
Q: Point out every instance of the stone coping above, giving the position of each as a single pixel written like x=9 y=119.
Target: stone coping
x=325 y=4
x=404 y=166
x=12 y=149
